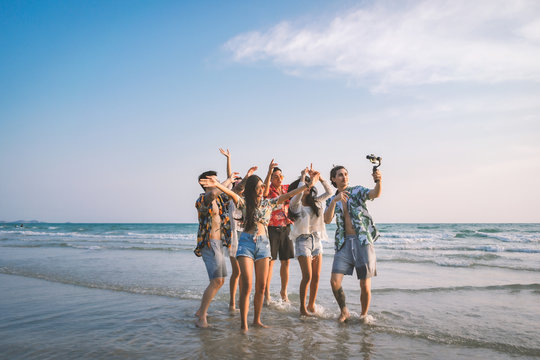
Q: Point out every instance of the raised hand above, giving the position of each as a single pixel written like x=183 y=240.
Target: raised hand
x=226 y=153
x=209 y=181
x=376 y=176
x=272 y=165
x=315 y=175
x=251 y=171
x=233 y=176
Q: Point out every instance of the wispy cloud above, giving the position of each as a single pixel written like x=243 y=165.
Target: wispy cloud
x=391 y=43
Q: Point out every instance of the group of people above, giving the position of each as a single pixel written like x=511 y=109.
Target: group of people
x=255 y=221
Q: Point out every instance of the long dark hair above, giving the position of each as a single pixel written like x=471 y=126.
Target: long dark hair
x=310 y=199
x=250 y=196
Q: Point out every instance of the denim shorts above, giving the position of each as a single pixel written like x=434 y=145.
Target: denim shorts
x=308 y=245
x=214 y=259
x=354 y=255
x=253 y=247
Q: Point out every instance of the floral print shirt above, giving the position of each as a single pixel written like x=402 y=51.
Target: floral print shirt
x=280 y=214
x=360 y=218
x=262 y=212
x=205 y=221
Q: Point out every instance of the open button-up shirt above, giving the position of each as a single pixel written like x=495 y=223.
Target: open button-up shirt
x=360 y=218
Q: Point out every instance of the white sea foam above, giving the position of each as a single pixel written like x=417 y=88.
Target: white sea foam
x=93 y=247
x=367 y=319
x=452 y=262
x=171 y=236
x=490 y=248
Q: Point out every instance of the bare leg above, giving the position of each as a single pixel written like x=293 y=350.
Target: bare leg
x=339 y=294
x=246 y=277
x=316 y=264
x=209 y=293
x=305 y=266
x=261 y=272
x=267 y=298
x=365 y=295
x=284 y=273
x=234 y=283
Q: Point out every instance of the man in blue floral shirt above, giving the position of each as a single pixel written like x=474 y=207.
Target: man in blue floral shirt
x=214 y=233
x=354 y=238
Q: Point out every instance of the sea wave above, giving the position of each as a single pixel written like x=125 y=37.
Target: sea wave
x=101 y=247
x=443 y=247
x=129 y=235
x=134 y=289
x=458 y=263
x=455 y=339
x=501 y=236
x=509 y=287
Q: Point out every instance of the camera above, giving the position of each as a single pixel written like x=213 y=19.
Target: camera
x=375 y=160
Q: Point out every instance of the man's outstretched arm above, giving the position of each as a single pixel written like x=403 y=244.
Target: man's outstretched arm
x=376 y=191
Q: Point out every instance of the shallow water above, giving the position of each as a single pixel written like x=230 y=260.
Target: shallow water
x=130 y=290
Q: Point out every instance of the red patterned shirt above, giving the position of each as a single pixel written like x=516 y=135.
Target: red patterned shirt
x=279 y=216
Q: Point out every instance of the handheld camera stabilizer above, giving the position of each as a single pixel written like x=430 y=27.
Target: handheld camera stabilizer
x=375 y=160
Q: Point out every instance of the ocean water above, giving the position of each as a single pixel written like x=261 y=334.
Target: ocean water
x=130 y=291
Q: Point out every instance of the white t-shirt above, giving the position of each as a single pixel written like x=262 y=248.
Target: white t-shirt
x=308 y=222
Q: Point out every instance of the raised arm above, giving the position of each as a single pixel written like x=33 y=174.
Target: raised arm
x=376 y=191
x=268 y=175
x=327 y=190
x=213 y=182
x=296 y=198
x=241 y=185
x=227 y=154
x=298 y=190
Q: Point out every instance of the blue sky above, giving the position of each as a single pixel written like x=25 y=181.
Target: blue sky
x=110 y=110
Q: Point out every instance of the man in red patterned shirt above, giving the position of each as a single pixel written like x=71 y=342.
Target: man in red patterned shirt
x=278 y=230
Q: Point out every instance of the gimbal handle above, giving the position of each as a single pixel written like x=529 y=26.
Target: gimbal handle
x=375 y=160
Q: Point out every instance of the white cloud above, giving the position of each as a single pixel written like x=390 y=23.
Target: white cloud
x=407 y=43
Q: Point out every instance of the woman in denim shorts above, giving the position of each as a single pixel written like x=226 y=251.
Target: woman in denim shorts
x=306 y=210
x=253 y=244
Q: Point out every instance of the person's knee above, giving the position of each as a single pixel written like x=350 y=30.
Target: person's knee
x=306 y=277
x=365 y=286
x=335 y=283
x=260 y=286
x=245 y=286
x=218 y=282
x=245 y=280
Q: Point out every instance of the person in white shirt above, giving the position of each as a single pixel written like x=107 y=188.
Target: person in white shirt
x=306 y=210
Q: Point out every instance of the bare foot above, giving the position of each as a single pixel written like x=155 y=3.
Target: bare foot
x=233 y=310
x=344 y=315
x=284 y=296
x=201 y=323
x=304 y=312
x=311 y=309
x=259 y=324
x=267 y=301
x=366 y=319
